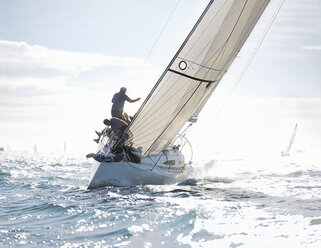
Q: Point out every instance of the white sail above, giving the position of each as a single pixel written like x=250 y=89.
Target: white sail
x=286 y=152
x=194 y=72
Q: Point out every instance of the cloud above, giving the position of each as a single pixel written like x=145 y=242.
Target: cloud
x=26 y=90
x=18 y=59
x=317 y=48
x=297 y=23
x=34 y=71
x=308 y=5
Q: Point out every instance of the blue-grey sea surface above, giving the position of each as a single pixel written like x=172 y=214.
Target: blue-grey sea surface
x=256 y=202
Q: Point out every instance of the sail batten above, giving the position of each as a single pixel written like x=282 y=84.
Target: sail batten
x=194 y=72
x=194 y=78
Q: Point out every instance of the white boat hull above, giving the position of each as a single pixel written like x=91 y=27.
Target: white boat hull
x=128 y=173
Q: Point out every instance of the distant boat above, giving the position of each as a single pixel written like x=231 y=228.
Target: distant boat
x=286 y=152
x=149 y=155
x=35 y=149
x=1 y=149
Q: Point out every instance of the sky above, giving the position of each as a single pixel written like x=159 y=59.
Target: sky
x=61 y=62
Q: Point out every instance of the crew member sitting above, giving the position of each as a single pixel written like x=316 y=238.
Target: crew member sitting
x=118 y=127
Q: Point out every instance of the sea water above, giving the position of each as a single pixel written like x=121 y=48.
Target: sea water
x=253 y=202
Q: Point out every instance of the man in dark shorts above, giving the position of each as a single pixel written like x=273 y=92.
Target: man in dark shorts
x=119 y=101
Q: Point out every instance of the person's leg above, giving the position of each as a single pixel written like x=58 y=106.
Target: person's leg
x=90 y=155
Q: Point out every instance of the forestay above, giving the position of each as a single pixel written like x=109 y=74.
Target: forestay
x=194 y=72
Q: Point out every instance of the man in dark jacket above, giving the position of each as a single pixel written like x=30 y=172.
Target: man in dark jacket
x=119 y=101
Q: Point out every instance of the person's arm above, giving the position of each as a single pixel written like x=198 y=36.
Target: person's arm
x=130 y=100
x=135 y=100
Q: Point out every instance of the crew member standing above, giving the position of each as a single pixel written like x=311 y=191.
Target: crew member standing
x=119 y=101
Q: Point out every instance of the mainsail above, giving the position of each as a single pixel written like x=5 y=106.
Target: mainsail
x=194 y=72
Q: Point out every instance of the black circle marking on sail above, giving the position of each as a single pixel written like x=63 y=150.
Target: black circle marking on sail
x=182 y=65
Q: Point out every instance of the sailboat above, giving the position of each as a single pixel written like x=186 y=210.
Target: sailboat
x=35 y=149
x=176 y=100
x=286 y=152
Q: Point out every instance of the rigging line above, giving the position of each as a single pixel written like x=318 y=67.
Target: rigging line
x=248 y=63
x=182 y=134
x=158 y=37
x=189 y=145
x=155 y=163
x=259 y=45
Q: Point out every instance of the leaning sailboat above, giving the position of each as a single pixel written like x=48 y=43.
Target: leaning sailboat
x=177 y=98
x=286 y=151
